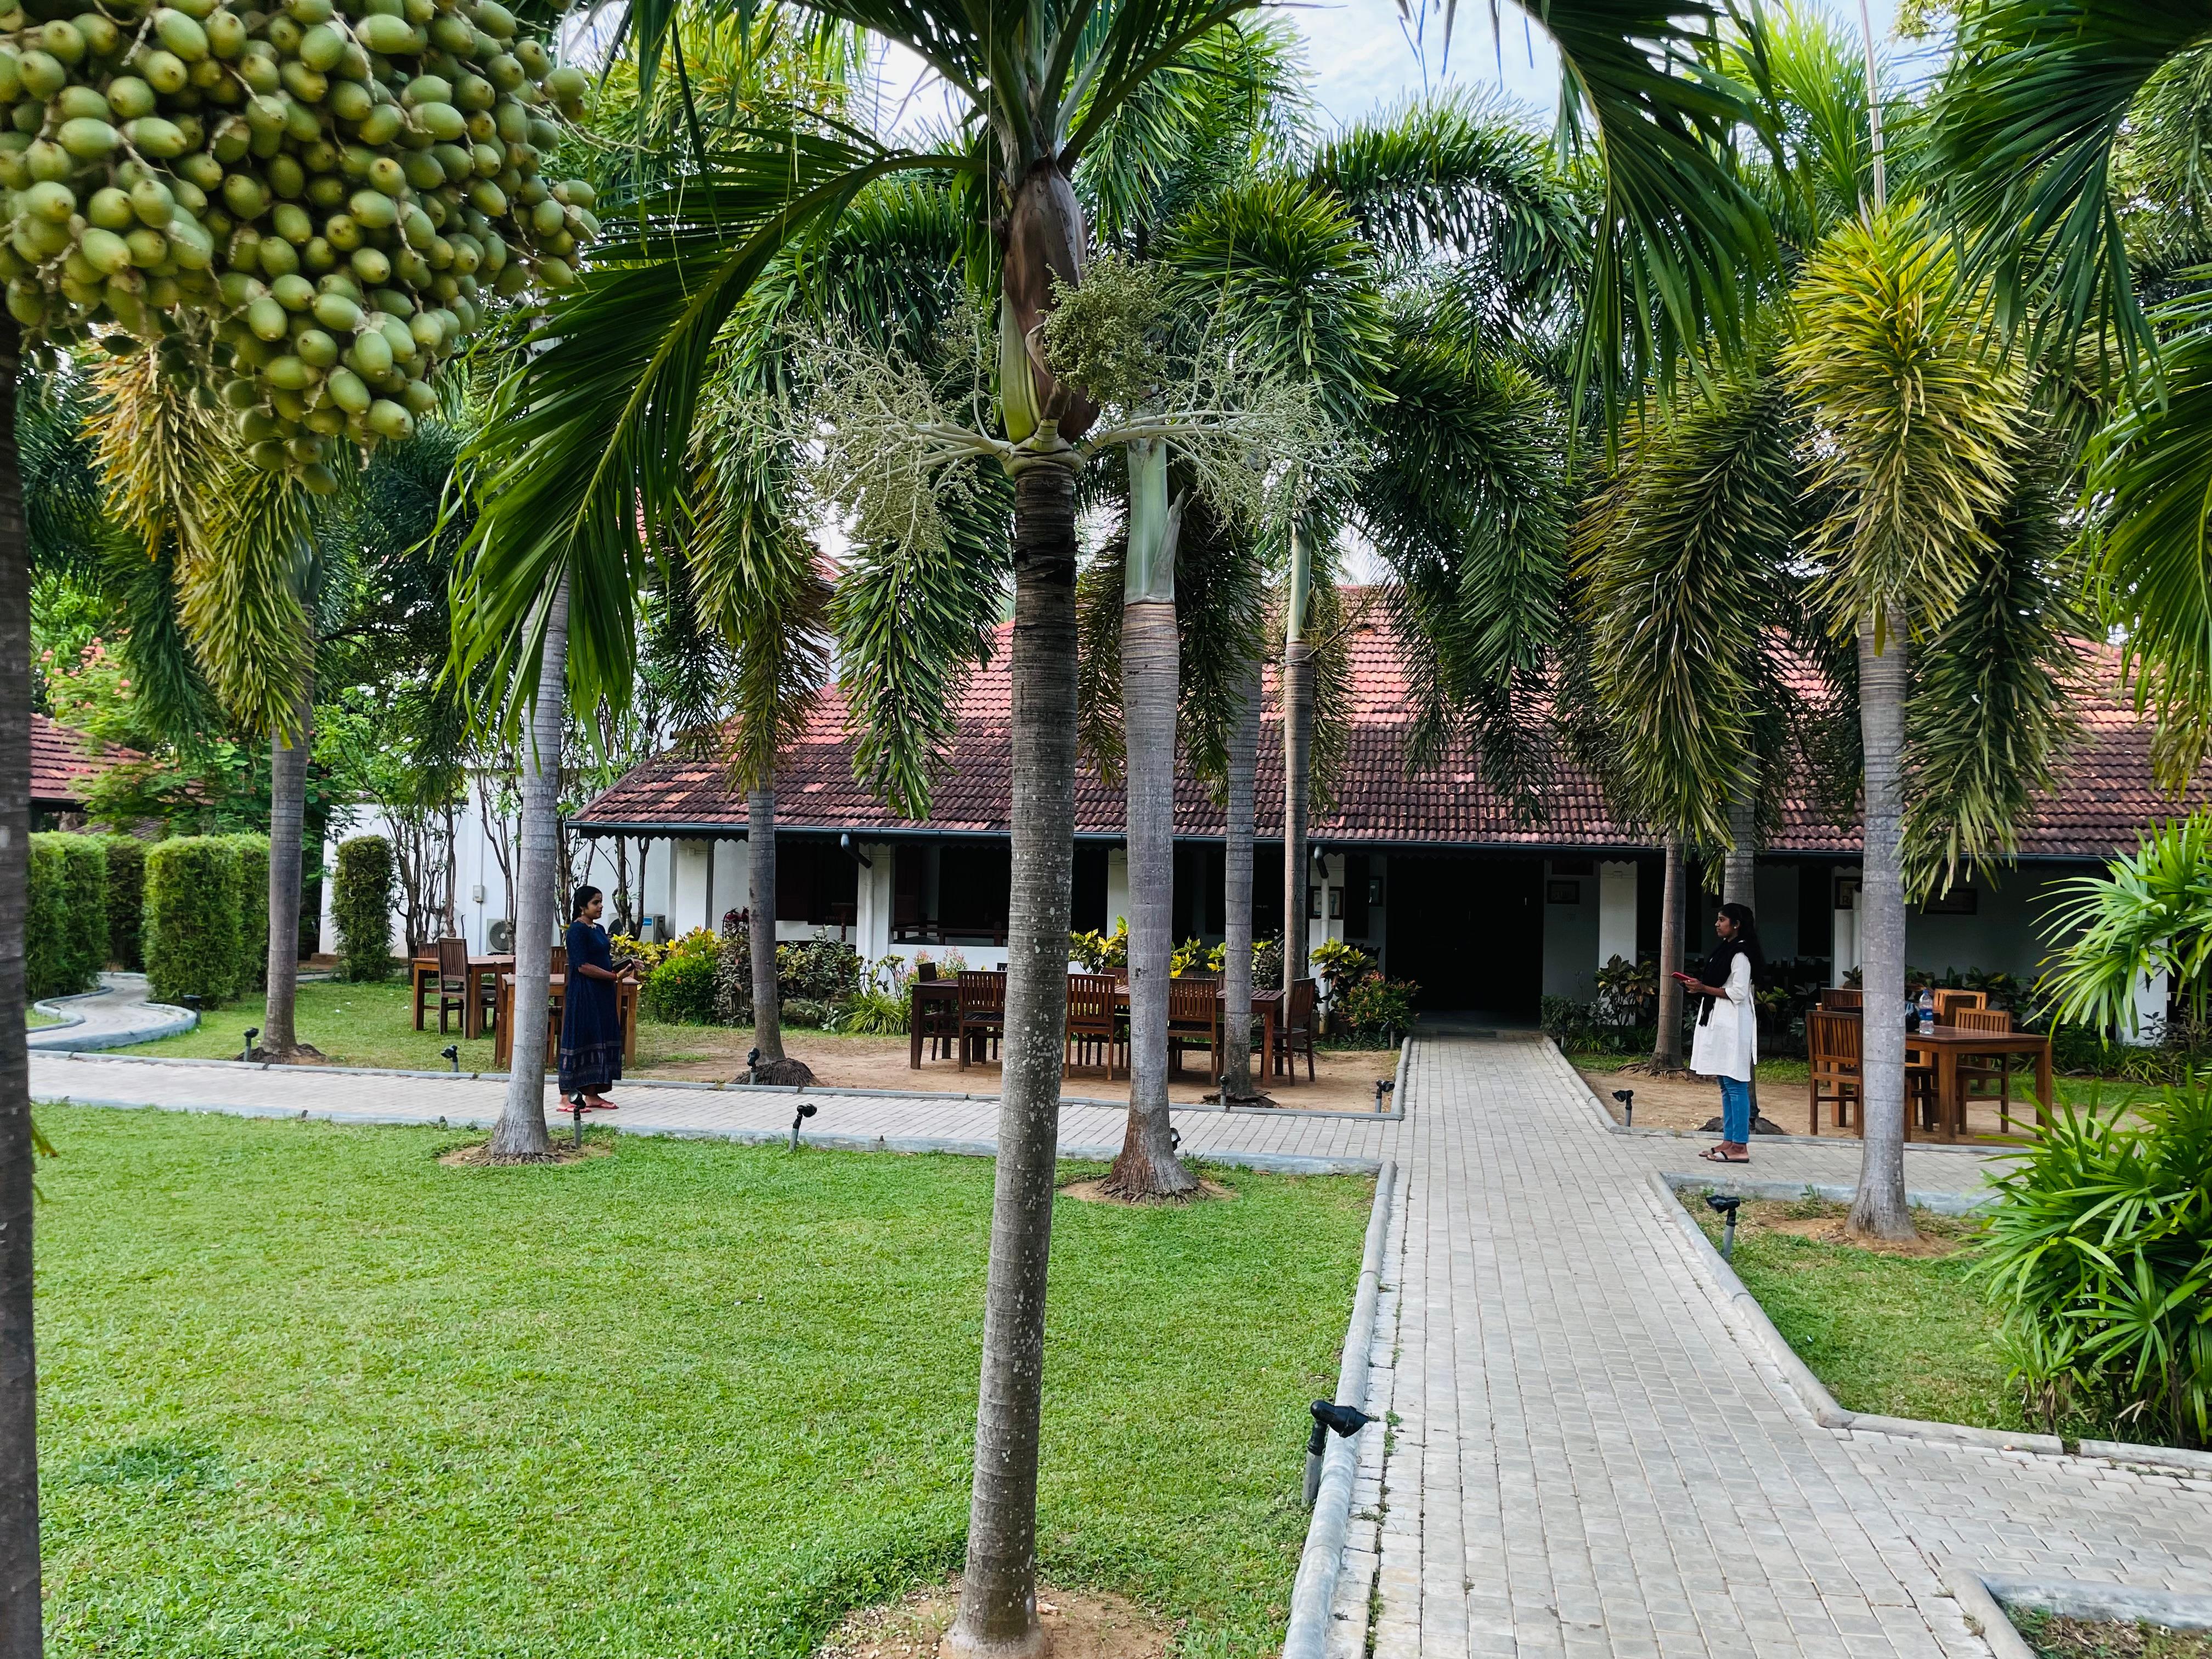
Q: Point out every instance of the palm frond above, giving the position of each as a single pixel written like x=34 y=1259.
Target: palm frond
x=242 y=583
x=1099 y=743
x=2025 y=121
x=1221 y=608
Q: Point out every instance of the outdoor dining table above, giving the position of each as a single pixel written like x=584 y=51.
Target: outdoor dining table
x=503 y=1047
x=425 y=970
x=1268 y=1004
x=1946 y=1045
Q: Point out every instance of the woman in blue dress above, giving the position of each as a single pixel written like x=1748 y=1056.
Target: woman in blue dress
x=591 y=1024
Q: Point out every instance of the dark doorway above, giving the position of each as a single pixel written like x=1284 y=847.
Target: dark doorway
x=1469 y=931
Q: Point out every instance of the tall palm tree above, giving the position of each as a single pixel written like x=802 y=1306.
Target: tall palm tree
x=598 y=420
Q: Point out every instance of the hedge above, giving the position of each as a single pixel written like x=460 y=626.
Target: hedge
x=126 y=900
x=191 y=931
x=362 y=908
x=252 y=890
x=65 y=919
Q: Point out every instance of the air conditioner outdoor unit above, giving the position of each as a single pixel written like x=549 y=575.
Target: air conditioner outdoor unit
x=500 y=935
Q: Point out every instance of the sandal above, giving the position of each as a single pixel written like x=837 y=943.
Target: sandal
x=1715 y=1155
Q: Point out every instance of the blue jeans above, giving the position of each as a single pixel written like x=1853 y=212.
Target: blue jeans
x=1735 y=1111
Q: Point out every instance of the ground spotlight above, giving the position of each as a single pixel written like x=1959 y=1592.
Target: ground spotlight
x=251 y=1032
x=1727 y=1204
x=1627 y=1099
x=806 y=1109
x=453 y=1051
x=1344 y=1420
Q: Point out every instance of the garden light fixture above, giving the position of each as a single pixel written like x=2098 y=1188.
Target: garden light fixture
x=1627 y=1099
x=576 y=1110
x=453 y=1051
x=752 y=1065
x=1384 y=1087
x=1726 y=1203
x=251 y=1032
x=1345 y=1420
x=806 y=1109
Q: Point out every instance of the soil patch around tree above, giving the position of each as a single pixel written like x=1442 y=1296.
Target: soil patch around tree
x=2056 y=1638
x=1078 y=1624
x=476 y=1155
x=1093 y=1191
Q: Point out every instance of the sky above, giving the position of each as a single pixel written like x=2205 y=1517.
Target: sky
x=1364 y=60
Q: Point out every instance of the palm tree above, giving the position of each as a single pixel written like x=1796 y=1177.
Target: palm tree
x=598 y=421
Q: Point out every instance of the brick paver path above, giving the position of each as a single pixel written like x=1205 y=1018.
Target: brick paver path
x=1587 y=1459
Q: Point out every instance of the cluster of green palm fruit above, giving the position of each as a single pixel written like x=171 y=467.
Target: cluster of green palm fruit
x=301 y=206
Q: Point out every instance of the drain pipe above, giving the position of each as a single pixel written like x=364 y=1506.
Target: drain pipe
x=1321 y=1562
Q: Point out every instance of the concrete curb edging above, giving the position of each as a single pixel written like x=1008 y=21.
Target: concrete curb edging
x=1313 y=1594
x=1941 y=1203
x=2170 y=1460
x=819 y=1090
x=166 y=1019
x=2071 y=1598
x=63 y=1017
x=1982 y=1610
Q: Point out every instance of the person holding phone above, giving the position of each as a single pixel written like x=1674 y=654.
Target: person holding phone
x=591 y=1022
x=1726 y=1042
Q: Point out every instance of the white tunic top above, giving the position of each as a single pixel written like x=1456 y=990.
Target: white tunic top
x=1727 y=1040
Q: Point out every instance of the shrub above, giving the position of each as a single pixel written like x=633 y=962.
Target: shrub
x=2098 y=1257
x=191 y=932
x=680 y=988
x=1267 y=962
x=362 y=908
x=126 y=900
x=251 y=890
x=879 y=1008
x=803 y=1011
x=1375 y=1010
x=733 y=973
x=65 y=919
x=821 y=970
x=1102 y=953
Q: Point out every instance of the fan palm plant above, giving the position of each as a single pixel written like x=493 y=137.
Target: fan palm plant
x=599 y=422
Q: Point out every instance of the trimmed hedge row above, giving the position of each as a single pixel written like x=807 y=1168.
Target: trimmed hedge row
x=362 y=908
x=206 y=926
x=65 y=919
x=126 y=900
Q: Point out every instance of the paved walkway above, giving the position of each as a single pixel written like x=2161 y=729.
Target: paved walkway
x=117 y=1014
x=1587 y=1458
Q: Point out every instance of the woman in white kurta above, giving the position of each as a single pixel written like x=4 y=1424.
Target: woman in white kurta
x=1726 y=1042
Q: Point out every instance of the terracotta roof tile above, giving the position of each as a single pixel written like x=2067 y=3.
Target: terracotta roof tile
x=60 y=757
x=2104 y=796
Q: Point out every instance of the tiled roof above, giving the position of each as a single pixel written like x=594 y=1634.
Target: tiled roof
x=60 y=757
x=2104 y=796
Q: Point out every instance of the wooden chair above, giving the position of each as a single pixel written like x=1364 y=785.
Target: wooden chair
x=936 y=1019
x=1296 y=1031
x=560 y=965
x=1948 y=1003
x=1843 y=996
x=453 y=987
x=1194 y=1016
x=1835 y=1049
x=982 y=1015
x=1978 y=1073
x=925 y=970
x=1094 y=1032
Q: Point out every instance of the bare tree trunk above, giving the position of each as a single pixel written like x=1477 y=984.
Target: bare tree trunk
x=520 y=1132
x=1666 y=1049
x=288 y=815
x=1297 y=759
x=1152 y=671
x=1879 y=1210
x=774 y=1065
x=997 y=1592
x=1237 y=884
x=20 y=1632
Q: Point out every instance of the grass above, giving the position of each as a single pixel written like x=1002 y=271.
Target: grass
x=307 y=1392
x=2054 y=1638
x=1904 y=1336
x=374 y=1025
x=33 y=1019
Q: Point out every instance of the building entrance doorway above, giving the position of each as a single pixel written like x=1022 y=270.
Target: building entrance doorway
x=1469 y=931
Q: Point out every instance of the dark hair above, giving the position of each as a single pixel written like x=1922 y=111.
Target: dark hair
x=1747 y=933
x=586 y=893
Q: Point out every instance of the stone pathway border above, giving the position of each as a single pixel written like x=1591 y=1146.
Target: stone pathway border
x=113 y=1016
x=1988 y=1599
x=1830 y=1415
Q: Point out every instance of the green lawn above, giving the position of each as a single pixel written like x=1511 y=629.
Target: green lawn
x=1902 y=1336
x=2076 y=1639
x=374 y=1025
x=33 y=1019
x=307 y=1392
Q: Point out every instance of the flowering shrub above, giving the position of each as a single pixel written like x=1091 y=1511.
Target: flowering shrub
x=680 y=987
x=1375 y=1010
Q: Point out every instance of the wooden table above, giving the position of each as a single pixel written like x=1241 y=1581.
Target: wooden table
x=1268 y=1004
x=502 y=1048
x=1946 y=1045
x=425 y=971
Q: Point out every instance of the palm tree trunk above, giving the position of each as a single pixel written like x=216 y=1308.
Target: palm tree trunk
x=19 y=1633
x=1237 y=884
x=288 y=816
x=1667 y=1048
x=998 y=1591
x=1151 y=677
x=760 y=930
x=1879 y=1210
x=520 y=1132
x=1297 y=758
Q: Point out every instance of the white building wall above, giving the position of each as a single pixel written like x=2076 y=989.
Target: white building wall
x=1117 y=886
x=1616 y=912
x=872 y=910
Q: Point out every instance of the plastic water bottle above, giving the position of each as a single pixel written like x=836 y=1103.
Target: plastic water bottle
x=1927 y=1009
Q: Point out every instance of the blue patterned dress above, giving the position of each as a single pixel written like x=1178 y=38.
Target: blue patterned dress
x=590 y=1027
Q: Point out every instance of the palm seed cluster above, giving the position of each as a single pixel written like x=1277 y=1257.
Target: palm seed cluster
x=327 y=189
